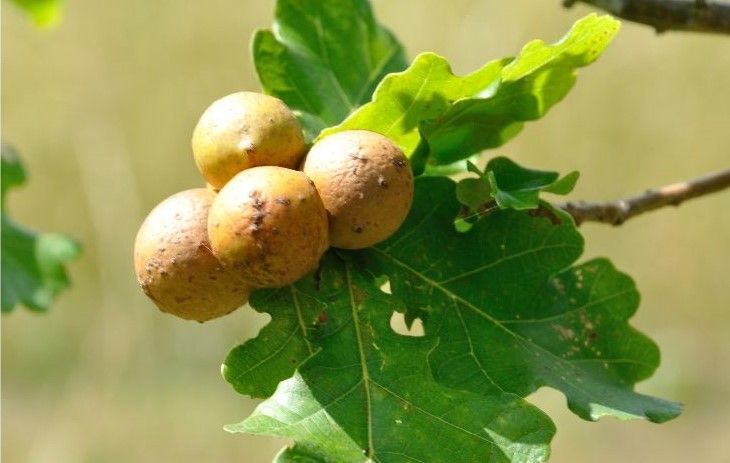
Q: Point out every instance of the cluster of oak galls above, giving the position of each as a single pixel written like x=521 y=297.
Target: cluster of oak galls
x=270 y=209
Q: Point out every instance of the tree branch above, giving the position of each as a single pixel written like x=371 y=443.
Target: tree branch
x=617 y=212
x=663 y=15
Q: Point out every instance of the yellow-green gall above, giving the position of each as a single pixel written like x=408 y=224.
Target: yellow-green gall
x=245 y=130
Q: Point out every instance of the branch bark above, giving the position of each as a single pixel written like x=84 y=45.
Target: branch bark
x=663 y=15
x=619 y=211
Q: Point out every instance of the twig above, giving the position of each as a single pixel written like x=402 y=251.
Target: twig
x=617 y=212
x=663 y=15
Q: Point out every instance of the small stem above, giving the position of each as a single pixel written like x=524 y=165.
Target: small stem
x=663 y=15
x=619 y=211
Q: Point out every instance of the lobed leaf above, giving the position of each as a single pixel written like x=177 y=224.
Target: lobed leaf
x=368 y=394
x=511 y=313
x=446 y=118
x=510 y=185
x=33 y=271
x=324 y=58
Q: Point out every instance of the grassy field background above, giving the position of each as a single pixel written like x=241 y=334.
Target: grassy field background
x=102 y=109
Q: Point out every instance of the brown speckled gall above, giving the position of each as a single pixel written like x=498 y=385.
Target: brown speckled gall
x=175 y=266
x=269 y=222
x=366 y=184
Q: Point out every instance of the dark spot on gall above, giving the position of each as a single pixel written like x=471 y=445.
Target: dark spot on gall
x=399 y=163
x=258 y=203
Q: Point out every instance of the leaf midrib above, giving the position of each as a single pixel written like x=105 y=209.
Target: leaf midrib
x=363 y=362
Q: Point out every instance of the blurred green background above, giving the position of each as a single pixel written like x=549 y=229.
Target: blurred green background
x=102 y=108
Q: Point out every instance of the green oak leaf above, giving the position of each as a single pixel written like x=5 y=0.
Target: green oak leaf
x=511 y=186
x=33 y=272
x=368 y=395
x=257 y=366
x=446 y=118
x=422 y=92
x=324 y=58
x=510 y=312
x=44 y=13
